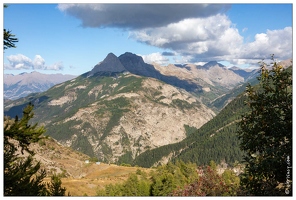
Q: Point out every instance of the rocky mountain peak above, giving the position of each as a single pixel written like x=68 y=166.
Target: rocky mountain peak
x=110 y=64
x=133 y=62
x=136 y=65
x=212 y=64
x=132 y=57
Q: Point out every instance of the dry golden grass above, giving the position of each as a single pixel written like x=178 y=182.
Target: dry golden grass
x=82 y=178
x=97 y=177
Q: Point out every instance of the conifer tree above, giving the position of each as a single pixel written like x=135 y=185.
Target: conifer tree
x=55 y=187
x=22 y=176
x=9 y=39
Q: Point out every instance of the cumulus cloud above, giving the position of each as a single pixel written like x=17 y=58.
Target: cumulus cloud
x=202 y=38
x=215 y=38
x=192 y=32
x=38 y=63
x=19 y=61
x=155 y=58
x=278 y=42
x=136 y=16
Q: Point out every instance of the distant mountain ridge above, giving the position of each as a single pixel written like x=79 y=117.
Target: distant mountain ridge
x=21 y=85
x=208 y=82
x=124 y=109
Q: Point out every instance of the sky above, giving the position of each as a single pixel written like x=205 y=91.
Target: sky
x=73 y=38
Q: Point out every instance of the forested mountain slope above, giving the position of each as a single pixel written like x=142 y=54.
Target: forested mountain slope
x=115 y=116
x=216 y=140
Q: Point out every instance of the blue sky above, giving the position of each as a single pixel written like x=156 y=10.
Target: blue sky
x=73 y=38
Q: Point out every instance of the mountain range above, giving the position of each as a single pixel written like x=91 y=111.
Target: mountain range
x=124 y=109
x=21 y=85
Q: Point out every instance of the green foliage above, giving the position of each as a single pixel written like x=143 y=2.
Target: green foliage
x=125 y=165
x=117 y=108
x=181 y=104
x=209 y=183
x=129 y=84
x=169 y=177
x=41 y=142
x=93 y=159
x=21 y=176
x=266 y=133
x=55 y=187
x=189 y=129
x=9 y=39
x=232 y=181
x=133 y=186
x=213 y=165
x=82 y=144
x=138 y=172
x=22 y=131
x=179 y=179
x=162 y=181
x=107 y=151
x=125 y=158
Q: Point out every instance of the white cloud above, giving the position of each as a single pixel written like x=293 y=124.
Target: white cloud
x=183 y=59
x=19 y=61
x=56 y=66
x=214 y=38
x=194 y=32
x=202 y=38
x=278 y=42
x=39 y=62
x=155 y=57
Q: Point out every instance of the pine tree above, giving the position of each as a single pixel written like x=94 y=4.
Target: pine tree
x=9 y=39
x=22 y=176
x=55 y=187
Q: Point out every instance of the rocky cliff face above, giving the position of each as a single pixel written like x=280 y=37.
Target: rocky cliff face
x=110 y=64
x=118 y=117
x=211 y=74
x=136 y=65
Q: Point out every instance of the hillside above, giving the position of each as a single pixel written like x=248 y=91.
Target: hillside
x=115 y=116
x=214 y=79
x=78 y=176
x=216 y=140
x=124 y=108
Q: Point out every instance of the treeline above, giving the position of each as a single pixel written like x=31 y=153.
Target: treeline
x=177 y=179
x=216 y=140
